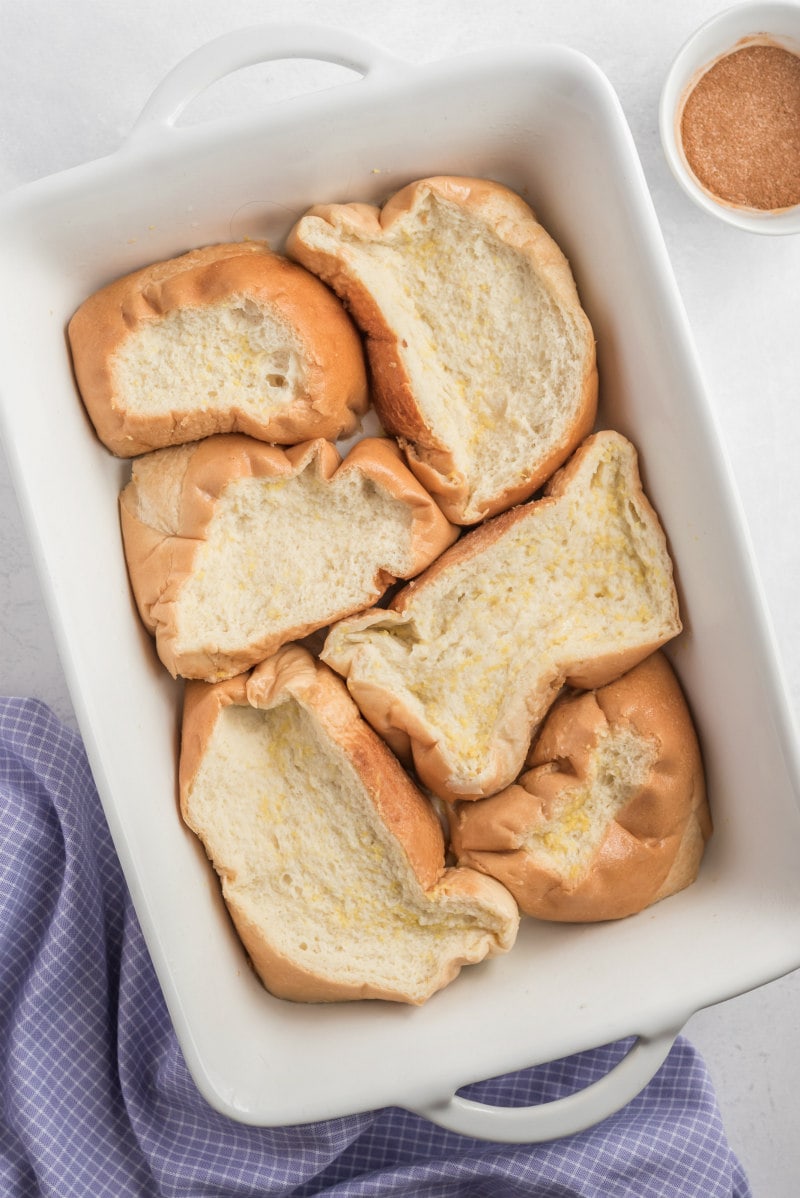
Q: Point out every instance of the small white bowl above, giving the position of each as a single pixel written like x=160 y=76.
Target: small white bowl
x=745 y=24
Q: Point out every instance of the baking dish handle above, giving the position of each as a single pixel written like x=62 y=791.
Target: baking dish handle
x=247 y=47
x=563 y=1116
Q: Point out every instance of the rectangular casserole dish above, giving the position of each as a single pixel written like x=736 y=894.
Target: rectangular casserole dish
x=545 y=121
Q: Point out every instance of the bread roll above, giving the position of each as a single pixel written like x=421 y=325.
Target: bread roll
x=331 y=861
x=611 y=814
x=575 y=587
x=235 y=547
x=229 y=338
x=482 y=359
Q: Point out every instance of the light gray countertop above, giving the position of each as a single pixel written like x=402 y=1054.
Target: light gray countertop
x=73 y=79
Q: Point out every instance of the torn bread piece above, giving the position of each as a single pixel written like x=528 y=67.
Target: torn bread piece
x=235 y=547
x=482 y=358
x=576 y=587
x=228 y=338
x=332 y=863
x=611 y=814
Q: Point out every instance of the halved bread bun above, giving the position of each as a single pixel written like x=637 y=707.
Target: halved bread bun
x=611 y=814
x=235 y=547
x=332 y=863
x=482 y=358
x=576 y=587
x=228 y=338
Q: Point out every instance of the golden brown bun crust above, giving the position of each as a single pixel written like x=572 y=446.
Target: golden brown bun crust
x=160 y=559
x=336 y=389
x=513 y=221
x=406 y=813
x=652 y=848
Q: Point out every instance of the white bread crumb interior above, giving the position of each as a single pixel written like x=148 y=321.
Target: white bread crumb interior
x=472 y=656
x=489 y=347
x=237 y=353
x=579 y=817
x=235 y=547
x=495 y=353
x=331 y=861
x=301 y=546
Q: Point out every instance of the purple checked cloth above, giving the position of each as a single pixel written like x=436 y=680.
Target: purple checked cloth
x=97 y=1101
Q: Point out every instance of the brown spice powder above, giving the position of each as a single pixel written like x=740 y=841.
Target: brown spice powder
x=740 y=128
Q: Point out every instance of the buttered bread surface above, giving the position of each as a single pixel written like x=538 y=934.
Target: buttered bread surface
x=228 y=373
x=576 y=587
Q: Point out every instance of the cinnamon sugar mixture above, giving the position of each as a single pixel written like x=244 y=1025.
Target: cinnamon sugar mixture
x=740 y=128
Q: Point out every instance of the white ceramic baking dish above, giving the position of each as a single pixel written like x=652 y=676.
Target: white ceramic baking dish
x=545 y=121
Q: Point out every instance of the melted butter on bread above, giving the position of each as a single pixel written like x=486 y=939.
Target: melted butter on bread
x=576 y=584
x=331 y=860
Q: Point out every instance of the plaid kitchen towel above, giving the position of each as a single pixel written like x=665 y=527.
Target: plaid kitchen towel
x=96 y=1100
